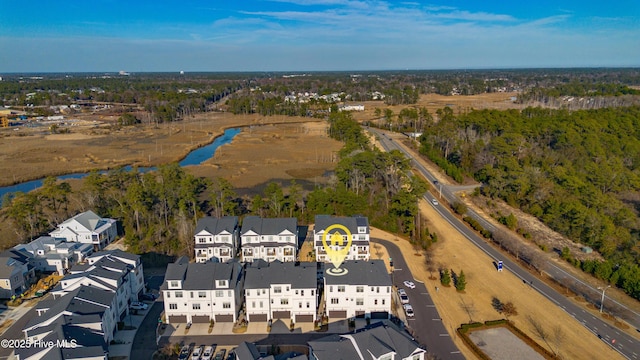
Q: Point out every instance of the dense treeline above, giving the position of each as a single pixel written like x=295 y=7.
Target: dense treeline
x=579 y=172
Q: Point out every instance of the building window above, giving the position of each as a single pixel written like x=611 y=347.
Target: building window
x=222 y=283
x=191 y=294
x=301 y=292
x=330 y=288
x=168 y=294
x=378 y=289
x=277 y=289
x=226 y=305
x=261 y=305
x=178 y=294
x=360 y=301
x=196 y=306
x=341 y=288
x=202 y=294
x=173 y=306
x=311 y=292
x=297 y=292
x=307 y=304
x=253 y=304
x=249 y=293
x=284 y=301
x=375 y=302
x=382 y=301
x=359 y=289
x=299 y=305
x=173 y=284
x=334 y=301
x=219 y=293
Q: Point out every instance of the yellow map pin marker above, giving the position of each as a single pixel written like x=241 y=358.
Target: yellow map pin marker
x=337 y=240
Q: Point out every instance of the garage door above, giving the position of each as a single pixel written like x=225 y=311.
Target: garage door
x=224 y=318
x=338 y=314
x=360 y=314
x=200 y=319
x=281 y=315
x=380 y=315
x=177 y=319
x=258 y=317
x=304 y=318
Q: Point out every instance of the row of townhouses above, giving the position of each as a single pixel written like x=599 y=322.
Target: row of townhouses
x=271 y=239
x=70 y=243
x=288 y=291
x=86 y=306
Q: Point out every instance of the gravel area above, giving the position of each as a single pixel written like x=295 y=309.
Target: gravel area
x=501 y=344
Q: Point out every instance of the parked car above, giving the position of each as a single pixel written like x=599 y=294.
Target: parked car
x=138 y=306
x=404 y=299
x=401 y=292
x=409 y=284
x=197 y=352
x=408 y=309
x=207 y=354
x=184 y=352
x=148 y=297
x=220 y=354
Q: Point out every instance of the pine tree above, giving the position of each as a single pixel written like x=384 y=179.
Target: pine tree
x=445 y=278
x=461 y=281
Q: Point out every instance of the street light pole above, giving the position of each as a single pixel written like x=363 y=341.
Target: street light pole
x=602 y=300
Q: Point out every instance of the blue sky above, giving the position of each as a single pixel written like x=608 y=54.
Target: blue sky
x=308 y=35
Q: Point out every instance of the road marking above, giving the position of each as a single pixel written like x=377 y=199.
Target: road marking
x=431 y=306
x=435 y=319
x=455 y=352
x=595 y=328
x=444 y=334
x=397 y=269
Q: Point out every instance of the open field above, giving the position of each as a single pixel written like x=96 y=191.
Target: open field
x=32 y=153
x=484 y=283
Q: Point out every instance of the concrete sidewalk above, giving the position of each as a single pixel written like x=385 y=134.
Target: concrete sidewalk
x=123 y=339
x=13 y=314
x=258 y=328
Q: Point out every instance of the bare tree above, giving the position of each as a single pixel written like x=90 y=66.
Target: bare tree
x=541 y=333
x=469 y=308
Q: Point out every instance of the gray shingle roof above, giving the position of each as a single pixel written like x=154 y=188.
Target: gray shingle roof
x=247 y=351
x=203 y=276
x=299 y=275
x=268 y=226
x=324 y=221
x=216 y=226
x=372 y=342
x=116 y=253
x=177 y=270
x=372 y=273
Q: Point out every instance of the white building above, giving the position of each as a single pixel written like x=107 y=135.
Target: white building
x=281 y=291
x=85 y=314
x=114 y=271
x=88 y=228
x=15 y=274
x=363 y=291
x=358 y=226
x=202 y=292
x=380 y=341
x=49 y=254
x=216 y=239
x=269 y=239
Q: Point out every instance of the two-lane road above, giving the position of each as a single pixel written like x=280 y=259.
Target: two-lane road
x=426 y=325
x=622 y=342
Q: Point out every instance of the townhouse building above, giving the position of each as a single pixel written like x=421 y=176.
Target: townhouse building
x=115 y=259
x=269 y=239
x=358 y=226
x=362 y=289
x=202 y=292
x=88 y=228
x=16 y=274
x=379 y=341
x=216 y=239
x=281 y=291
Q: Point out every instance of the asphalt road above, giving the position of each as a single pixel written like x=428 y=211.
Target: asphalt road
x=620 y=341
x=426 y=325
x=15 y=331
